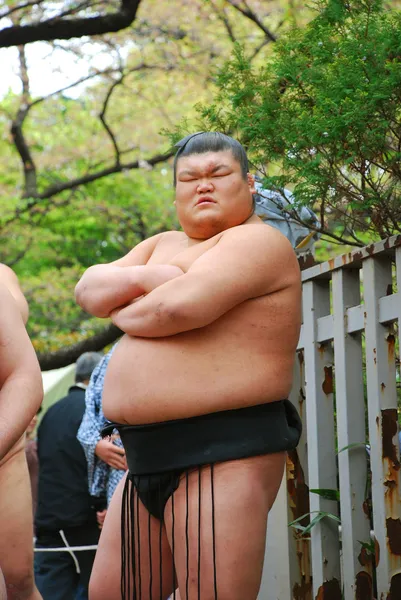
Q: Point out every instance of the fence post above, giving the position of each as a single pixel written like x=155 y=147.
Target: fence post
x=321 y=443
x=298 y=494
x=275 y=584
x=286 y=571
x=383 y=429
x=352 y=463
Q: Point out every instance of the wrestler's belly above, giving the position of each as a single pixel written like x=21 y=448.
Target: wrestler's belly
x=215 y=368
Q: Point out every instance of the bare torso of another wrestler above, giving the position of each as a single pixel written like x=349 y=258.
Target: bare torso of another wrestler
x=243 y=358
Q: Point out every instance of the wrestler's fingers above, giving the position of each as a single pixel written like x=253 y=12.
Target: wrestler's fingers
x=118 y=450
x=118 y=462
x=122 y=465
x=100 y=517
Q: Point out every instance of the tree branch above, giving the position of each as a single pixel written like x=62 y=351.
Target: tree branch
x=14 y=9
x=65 y=29
x=102 y=117
x=69 y=355
x=258 y=49
x=90 y=177
x=102 y=114
x=85 y=179
x=30 y=183
x=252 y=16
x=71 y=85
x=222 y=15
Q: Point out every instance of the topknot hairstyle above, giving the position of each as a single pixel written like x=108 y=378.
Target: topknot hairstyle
x=210 y=141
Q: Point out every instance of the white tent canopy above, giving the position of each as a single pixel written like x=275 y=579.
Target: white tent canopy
x=56 y=384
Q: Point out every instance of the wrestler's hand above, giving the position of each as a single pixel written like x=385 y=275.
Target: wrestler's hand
x=100 y=517
x=111 y=454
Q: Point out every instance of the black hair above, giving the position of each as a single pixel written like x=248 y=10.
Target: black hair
x=210 y=141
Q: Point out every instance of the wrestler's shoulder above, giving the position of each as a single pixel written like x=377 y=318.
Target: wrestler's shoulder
x=258 y=233
x=5 y=293
x=10 y=311
x=7 y=276
x=11 y=290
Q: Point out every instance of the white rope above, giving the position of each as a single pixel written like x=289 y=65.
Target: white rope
x=74 y=558
x=64 y=549
x=68 y=548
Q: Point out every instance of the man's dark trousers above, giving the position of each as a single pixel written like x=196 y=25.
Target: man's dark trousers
x=56 y=573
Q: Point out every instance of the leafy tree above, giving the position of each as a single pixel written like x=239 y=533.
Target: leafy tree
x=323 y=117
x=83 y=174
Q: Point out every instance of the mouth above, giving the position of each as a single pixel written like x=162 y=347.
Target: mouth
x=205 y=200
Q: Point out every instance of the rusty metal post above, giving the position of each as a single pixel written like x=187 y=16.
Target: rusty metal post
x=383 y=429
x=357 y=564
x=321 y=443
x=298 y=494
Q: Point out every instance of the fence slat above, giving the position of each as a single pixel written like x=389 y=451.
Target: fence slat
x=321 y=444
x=382 y=411
x=352 y=463
x=355 y=319
x=298 y=494
x=275 y=583
x=389 y=308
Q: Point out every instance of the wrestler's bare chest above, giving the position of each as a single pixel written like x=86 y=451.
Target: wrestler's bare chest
x=240 y=359
x=176 y=249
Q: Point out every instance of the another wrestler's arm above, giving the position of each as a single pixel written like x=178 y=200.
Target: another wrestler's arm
x=10 y=280
x=247 y=262
x=21 y=389
x=104 y=288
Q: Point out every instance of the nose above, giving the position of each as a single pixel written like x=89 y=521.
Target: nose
x=205 y=185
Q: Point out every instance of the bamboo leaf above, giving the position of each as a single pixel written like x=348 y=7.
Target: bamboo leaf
x=328 y=494
x=351 y=446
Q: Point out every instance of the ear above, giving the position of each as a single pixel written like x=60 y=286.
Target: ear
x=251 y=183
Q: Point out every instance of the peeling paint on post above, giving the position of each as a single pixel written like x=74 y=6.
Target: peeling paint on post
x=395 y=587
x=321 y=444
x=394 y=536
x=391 y=347
x=365 y=558
x=327 y=385
x=303 y=591
x=363 y=586
x=330 y=590
x=301 y=395
x=296 y=486
x=377 y=553
x=299 y=505
x=389 y=429
x=391 y=468
x=350 y=406
x=382 y=412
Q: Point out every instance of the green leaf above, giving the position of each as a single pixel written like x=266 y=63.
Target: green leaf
x=328 y=494
x=319 y=516
x=351 y=446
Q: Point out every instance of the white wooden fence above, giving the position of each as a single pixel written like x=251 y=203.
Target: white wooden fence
x=345 y=388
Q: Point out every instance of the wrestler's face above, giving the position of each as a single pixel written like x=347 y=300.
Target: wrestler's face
x=212 y=194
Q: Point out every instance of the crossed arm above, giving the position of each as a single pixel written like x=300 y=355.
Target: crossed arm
x=21 y=390
x=248 y=261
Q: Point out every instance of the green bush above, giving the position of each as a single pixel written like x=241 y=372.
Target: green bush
x=323 y=116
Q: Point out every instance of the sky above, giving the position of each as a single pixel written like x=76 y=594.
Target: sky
x=49 y=69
